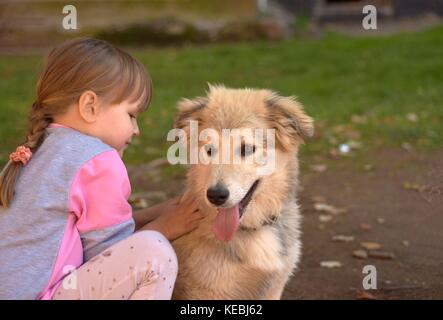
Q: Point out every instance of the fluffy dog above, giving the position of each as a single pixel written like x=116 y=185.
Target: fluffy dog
x=248 y=245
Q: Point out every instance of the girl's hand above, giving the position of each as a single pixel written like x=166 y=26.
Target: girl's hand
x=178 y=217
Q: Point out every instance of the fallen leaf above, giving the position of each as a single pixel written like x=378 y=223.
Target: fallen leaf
x=365 y=226
x=318 y=167
x=414 y=186
x=381 y=255
x=364 y=295
x=329 y=209
x=342 y=238
x=330 y=264
x=360 y=254
x=324 y=218
x=370 y=245
x=407 y=146
x=412 y=117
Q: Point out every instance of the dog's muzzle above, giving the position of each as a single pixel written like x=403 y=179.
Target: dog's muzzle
x=218 y=194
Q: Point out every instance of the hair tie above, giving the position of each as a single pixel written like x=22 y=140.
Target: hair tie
x=22 y=154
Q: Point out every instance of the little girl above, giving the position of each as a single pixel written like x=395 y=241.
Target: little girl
x=67 y=229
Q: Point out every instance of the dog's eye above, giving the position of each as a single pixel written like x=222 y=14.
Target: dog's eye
x=247 y=149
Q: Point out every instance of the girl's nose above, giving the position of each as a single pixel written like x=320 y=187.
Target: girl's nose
x=136 y=129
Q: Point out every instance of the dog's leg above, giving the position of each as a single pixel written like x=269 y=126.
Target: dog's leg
x=275 y=293
x=276 y=290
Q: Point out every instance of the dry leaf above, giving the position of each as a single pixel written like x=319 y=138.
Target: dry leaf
x=329 y=209
x=365 y=226
x=360 y=254
x=412 y=117
x=381 y=255
x=364 y=295
x=342 y=238
x=414 y=186
x=370 y=245
x=324 y=218
x=318 y=167
x=330 y=264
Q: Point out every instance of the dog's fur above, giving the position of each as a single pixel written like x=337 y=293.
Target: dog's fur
x=258 y=261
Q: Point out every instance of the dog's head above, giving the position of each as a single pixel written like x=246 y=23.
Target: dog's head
x=237 y=133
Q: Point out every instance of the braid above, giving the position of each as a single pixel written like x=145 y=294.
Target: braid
x=39 y=121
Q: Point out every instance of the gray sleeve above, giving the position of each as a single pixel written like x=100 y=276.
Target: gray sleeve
x=95 y=242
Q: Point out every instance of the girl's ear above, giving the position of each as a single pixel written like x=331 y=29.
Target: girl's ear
x=88 y=106
x=290 y=122
x=189 y=110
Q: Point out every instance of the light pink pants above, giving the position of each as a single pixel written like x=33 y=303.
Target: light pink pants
x=141 y=267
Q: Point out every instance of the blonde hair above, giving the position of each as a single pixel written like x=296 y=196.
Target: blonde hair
x=70 y=69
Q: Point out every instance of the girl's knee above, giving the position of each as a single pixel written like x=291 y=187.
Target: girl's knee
x=152 y=244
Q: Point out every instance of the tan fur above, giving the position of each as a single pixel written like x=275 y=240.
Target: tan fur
x=258 y=261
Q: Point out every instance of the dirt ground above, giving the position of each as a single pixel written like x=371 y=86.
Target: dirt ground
x=396 y=203
x=400 y=204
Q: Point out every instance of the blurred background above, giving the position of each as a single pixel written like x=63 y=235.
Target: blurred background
x=372 y=176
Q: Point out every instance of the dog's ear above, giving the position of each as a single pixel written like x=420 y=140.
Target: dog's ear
x=188 y=110
x=290 y=122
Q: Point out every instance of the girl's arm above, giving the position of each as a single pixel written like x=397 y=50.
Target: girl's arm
x=144 y=216
x=173 y=218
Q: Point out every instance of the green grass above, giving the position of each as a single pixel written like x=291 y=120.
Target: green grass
x=335 y=77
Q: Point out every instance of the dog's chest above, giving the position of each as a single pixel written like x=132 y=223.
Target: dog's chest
x=239 y=269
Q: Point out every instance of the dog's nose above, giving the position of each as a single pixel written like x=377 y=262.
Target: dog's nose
x=217 y=194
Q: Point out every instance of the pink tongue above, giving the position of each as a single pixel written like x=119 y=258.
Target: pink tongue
x=226 y=223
